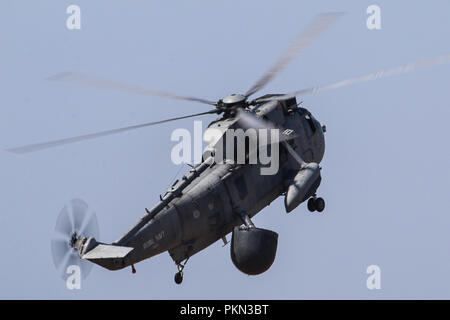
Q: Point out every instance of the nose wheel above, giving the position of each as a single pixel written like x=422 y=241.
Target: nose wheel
x=316 y=204
x=178 y=277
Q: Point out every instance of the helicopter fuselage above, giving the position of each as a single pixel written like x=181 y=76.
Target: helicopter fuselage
x=207 y=203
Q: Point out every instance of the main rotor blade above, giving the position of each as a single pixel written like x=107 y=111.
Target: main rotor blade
x=55 y=143
x=294 y=154
x=320 y=24
x=108 y=84
x=371 y=76
x=248 y=120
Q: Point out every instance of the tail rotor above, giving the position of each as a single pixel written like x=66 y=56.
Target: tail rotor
x=75 y=221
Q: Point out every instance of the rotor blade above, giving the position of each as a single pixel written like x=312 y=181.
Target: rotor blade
x=90 y=229
x=86 y=267
x=371 y=76
x=63 y=223
x=55 y=143
x=79 y=211
x=294 y=154
x=59 y=248
x=108 y=84
x=72 y=259
x=247 y=120
x=320 y=24
x=62 y=268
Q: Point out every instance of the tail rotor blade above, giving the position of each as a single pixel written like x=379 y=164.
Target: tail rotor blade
x=90 y=229
x=59 y=249
x=79 y=211
x=85 y=266
x=64 y=224
x=64 y=255
x=73 y=262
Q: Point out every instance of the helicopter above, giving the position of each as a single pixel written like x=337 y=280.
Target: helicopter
x=217 y=196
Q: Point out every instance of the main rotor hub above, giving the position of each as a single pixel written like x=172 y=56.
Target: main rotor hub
x=234 y=100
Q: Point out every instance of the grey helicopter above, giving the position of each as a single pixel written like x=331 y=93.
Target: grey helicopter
x=215 y=198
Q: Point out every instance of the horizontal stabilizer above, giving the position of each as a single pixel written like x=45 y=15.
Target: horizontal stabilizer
x=104 y=251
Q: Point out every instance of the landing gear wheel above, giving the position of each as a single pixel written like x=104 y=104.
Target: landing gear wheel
x=319 y=204
x=178 y=277
x=311 y=205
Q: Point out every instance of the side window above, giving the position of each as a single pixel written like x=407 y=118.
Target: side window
x=241 y=187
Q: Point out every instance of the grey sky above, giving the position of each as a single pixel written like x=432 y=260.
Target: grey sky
x=385 y=174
